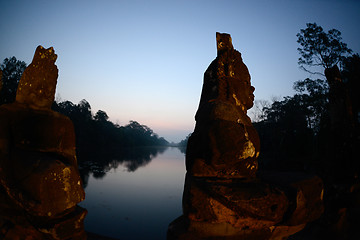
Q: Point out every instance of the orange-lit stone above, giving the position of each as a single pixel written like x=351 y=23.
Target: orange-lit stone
x=223 y=197
x=37 y=85
x=224 y=143
x=39 y=178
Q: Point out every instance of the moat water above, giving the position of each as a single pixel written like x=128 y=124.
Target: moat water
x=128 y=203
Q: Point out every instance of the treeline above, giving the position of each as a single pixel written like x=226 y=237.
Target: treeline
x=97 y=139
x=291 y=129
x=317 y=129
x=96 y=136
x=182 y=145
x=298 y=132
x=102 y=145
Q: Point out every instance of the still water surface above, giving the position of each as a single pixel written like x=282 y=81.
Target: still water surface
x=136 y=204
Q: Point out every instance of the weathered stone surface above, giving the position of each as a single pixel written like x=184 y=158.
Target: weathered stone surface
x=184 y=229
x=14 y=224
x=244 y=205
x=221 y=157
x=224 y=143
x=38 y=130
x=38 y=83
x=305 y=192
x=39 y=178
x=223 y=198
x=66 y=227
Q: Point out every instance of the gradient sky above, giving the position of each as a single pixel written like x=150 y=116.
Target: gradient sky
x=144 y=60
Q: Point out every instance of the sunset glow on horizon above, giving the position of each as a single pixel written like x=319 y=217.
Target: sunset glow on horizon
x=145 y=60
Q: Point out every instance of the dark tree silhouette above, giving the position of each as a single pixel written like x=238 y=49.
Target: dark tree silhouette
x=102 y=145
x=285 y=134
x=95 y=134
x=12 y=70
x=319 y=48
x=101 y=116
x=314 y=97
x=183 y=143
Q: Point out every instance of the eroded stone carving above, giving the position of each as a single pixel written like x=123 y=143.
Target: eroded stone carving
x=38 y=83
x=223 y=198
x=38 y=167
x=224 y=142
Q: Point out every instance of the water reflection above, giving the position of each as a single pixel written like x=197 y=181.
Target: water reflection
x=131 y=159
x=137 y=196
x=182 y=149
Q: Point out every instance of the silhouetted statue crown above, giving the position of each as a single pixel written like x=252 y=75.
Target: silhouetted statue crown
x=38 y=83
x=224 y=42
x=223 y=198
x=224 y=142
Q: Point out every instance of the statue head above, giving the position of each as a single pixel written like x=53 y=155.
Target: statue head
x=38 y=83
x=223 y=42
x=232 y=71
x=244 y=95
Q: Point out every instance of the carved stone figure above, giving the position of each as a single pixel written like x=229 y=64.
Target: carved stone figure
x=38 y=83
x=224 y=142
x=38 y=167
x=223 y=198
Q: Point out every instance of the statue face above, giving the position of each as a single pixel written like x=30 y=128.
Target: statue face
x=246 y=96
x=243 y=92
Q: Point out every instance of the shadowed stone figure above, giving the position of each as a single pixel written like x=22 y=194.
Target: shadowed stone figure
x=224 y=142
x=38 y=166
x=223 y=198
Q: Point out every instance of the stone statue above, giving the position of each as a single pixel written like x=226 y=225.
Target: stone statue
x=223 y=198
x=38 y=83
x=224 y=142
x=38 y=166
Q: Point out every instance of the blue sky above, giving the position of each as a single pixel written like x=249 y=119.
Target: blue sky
x=144 y=60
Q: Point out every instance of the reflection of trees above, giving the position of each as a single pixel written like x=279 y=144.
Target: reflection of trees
x=140 y=157
x=130 y=158
x=183 y=144
x=102 y=145
x=182 y=149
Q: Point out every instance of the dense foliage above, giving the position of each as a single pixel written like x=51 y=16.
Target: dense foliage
x=96 y=135
x=288 y=133
x=100 y=144
x=12 y=70
x=298 y=132
x=294 y=128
